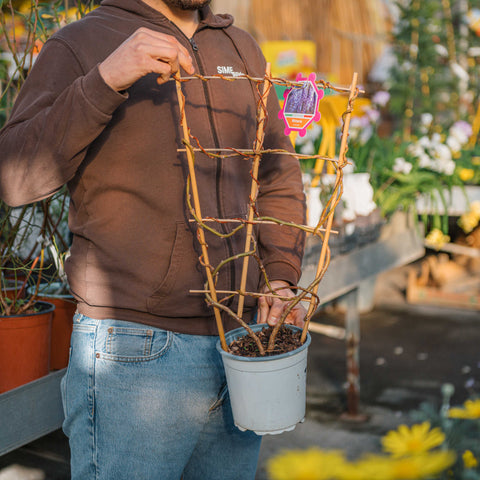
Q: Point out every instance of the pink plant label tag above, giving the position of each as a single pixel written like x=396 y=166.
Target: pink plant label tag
x=300 y=107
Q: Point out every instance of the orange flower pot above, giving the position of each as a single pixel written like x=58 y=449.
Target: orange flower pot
x=62 y=323
x=25 y=347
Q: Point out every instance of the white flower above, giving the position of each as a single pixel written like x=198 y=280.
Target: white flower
x=460 y=72
x=402 y=166
x=312 y=133
x=355 y=128
x=355 y=122
x=357 y=195
x=424 y=161
x=448 y=167
x=453 y=143
x=373 y=115
x=416 y=150
x=381 y=98
x=306 y=179
x=443 y=165
x=300 y=140
x=308 y=148
x=425 y=142
x=433 y=28
x=441 y=50
x=442 y=152
x=426 y=119
x=315 y=130
x=461 y=131
x=473 y=52
x=366 y=134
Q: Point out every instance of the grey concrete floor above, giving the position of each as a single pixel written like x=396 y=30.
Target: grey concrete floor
x=406 y=354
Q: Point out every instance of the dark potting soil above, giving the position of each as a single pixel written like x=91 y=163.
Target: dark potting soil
x=285 y=341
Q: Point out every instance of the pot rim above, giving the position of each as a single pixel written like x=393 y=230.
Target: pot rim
x=44 y=293
x=50 y=308
x=233 y=334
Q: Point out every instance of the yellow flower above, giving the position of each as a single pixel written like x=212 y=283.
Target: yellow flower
x=469 y=220
x=436 y=239
x=466 y=174
x=412 y=441
x=469 y=460
x=311 y=464
x=476 y=161
x=416 y=467
x=470 y=410
x=475 y=208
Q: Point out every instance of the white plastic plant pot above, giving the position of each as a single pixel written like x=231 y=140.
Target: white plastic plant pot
x=267 y=394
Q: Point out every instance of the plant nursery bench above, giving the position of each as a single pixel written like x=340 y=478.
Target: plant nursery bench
x=35 y=409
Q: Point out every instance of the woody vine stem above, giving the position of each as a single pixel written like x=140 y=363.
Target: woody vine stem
x=323 y=229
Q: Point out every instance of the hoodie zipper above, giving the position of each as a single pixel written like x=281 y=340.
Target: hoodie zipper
x=216 y=142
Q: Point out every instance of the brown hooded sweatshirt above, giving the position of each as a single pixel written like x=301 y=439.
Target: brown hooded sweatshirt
x=135 y=255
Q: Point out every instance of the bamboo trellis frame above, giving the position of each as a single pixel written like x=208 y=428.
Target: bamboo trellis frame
x=323 y=229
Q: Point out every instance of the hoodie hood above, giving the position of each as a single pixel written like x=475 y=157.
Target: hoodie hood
x=137 y=7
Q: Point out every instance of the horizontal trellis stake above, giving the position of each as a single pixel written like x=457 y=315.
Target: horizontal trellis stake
x=306 y=228
x=245 y=153
x=274 y=80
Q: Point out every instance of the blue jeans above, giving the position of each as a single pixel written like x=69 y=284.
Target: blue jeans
x=145 y=403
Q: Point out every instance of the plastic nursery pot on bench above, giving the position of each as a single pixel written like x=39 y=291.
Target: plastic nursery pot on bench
x=267 y=394
x=62 y=323
x=25 y=346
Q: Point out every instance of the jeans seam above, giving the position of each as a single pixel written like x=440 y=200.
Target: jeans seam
x=92 y=406
x=148 y=343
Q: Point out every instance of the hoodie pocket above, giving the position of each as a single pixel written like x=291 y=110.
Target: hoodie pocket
x=171 y=297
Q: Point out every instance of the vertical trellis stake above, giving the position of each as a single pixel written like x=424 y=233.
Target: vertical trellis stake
x=341 y=164
x=196 y=203
x=261 y=117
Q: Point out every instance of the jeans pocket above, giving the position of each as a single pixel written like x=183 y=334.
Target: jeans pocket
x=132 y=344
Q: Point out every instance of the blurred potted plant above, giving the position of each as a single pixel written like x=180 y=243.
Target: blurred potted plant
x=33 y=238
x=25 y=322
x=54 y=287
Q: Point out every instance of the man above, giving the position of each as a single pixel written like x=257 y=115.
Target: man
x=144 y=395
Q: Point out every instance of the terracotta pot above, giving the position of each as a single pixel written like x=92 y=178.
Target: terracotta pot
x=65 y=306
x=25 y=347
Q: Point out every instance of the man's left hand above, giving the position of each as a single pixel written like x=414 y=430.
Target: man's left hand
x=270 y=309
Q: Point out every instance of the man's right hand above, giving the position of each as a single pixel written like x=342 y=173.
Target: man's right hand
x=146 y=51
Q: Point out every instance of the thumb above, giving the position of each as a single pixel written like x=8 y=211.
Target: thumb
x=275 y=312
